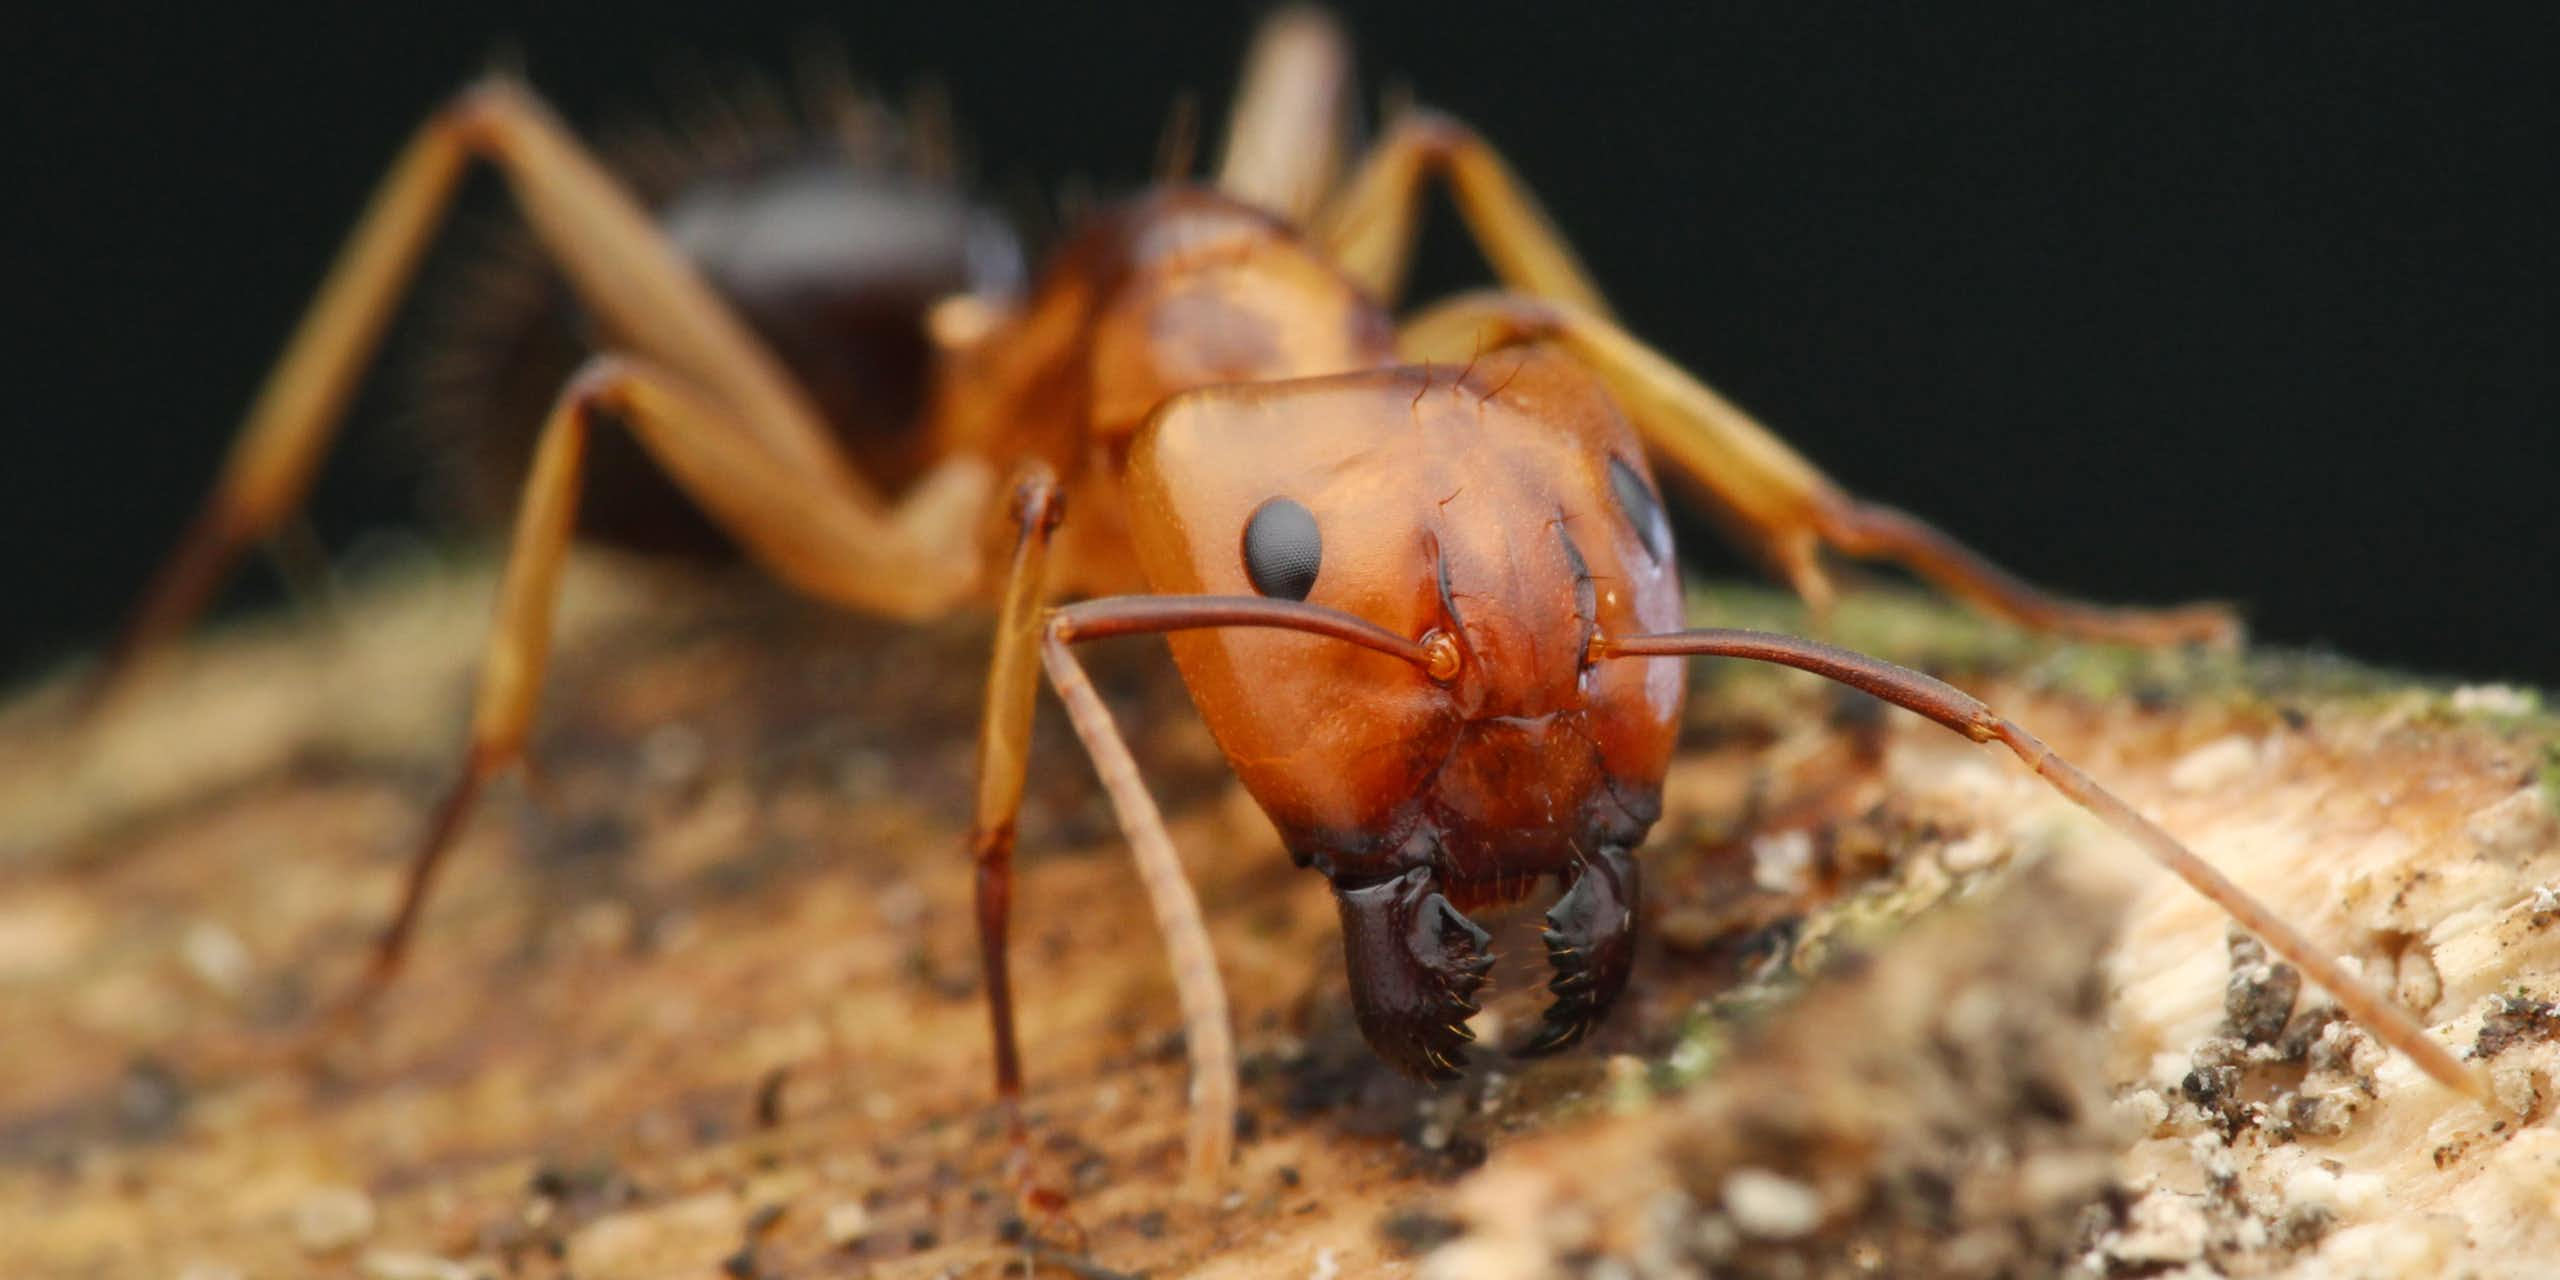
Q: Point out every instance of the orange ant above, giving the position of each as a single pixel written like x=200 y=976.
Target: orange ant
x=1417 y=576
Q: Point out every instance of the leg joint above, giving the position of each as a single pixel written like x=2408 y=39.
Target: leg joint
x=1436 y=137
x=992 y=845
x=1038 y=503
x=603 y=382
x=480 y=111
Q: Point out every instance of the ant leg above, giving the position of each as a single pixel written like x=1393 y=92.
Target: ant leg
x=1210 y=1144
x=1405 y=931
x=1965 y=714
x=795 y=525
x=1288 y=130
x=1004 y=747
x=1369 y=227
x=1776 y=497
x=622 y=268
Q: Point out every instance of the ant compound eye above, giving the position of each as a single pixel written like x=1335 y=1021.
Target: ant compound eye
x=1640 y=507
x=1282 y=549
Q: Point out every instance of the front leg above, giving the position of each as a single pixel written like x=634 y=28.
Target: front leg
x=1591 y=944
x=1416 y=965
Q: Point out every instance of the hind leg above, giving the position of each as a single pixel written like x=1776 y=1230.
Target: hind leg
x=1778 y=502
x=796 y=526
x=1781 y=503
x=1369 y=227
x=641 y=290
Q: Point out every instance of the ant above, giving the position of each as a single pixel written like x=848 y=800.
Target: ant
x=1416 y=575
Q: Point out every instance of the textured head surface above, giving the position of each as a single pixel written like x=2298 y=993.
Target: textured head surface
x=1477 y=504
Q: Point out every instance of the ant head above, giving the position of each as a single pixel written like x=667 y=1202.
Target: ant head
x=1502 y=517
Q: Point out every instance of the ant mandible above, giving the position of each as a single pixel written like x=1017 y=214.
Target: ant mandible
x=1415 y=575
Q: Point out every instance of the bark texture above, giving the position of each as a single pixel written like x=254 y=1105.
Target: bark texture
x=704 y=995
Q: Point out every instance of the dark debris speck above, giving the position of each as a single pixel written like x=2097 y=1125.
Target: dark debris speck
x=2215 y=1090
x=150 y=1098
x=2259 y=999
x=2513 y=1019
x=2304 y=1225
x=1462 y=1153
x=2305 y=1031
x=1415 y=1231
x=768 y=1105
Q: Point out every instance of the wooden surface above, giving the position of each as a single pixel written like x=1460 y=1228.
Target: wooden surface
x=704 y=996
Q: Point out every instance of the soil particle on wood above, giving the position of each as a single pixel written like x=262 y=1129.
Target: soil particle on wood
x=700 y=997
x=2512 y=1019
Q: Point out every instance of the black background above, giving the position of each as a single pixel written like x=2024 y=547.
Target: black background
x=2237 y=301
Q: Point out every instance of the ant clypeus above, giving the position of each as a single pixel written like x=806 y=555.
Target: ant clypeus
x=1416 y=575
